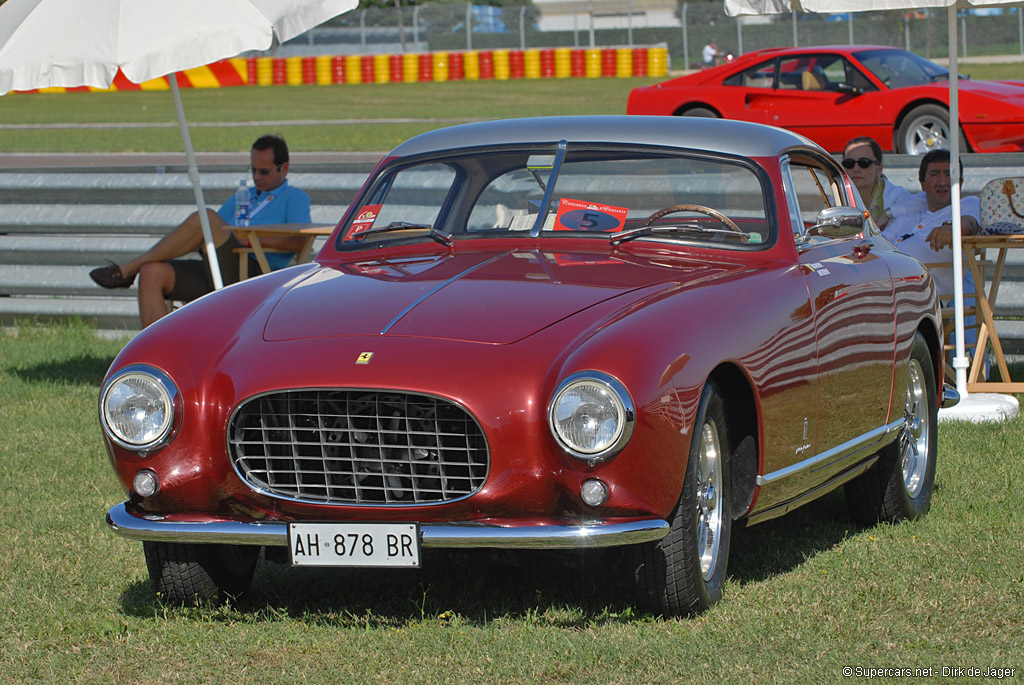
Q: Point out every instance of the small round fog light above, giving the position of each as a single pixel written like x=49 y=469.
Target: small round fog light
x=594 y=492
x=145 y=483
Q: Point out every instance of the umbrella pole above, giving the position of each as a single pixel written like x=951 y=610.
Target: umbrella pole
x=960 y=362
x=193 y=175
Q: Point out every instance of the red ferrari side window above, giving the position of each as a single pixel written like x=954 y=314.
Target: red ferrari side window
x=758 y=76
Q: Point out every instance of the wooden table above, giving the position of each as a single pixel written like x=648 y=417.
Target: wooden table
x=254 y=234
x=974 y=247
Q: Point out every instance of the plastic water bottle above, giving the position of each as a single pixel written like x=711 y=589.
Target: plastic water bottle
x=242 y=204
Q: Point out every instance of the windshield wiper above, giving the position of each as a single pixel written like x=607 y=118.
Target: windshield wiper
x=437 y=235
x=622 y=236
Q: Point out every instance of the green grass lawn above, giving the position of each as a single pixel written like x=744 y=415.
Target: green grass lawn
x=809 y=594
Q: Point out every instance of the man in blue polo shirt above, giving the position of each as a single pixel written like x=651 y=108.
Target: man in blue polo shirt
x=162 y=276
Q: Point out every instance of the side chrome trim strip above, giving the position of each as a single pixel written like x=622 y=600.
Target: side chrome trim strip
x=837 y=453
x=824 y=488
x=448 y=535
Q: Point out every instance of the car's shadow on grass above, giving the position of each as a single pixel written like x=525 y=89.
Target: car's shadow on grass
x=85 y=369
x=570 y=589
x=780 y=545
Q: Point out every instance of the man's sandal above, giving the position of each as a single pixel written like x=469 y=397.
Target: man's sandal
x=111 y=277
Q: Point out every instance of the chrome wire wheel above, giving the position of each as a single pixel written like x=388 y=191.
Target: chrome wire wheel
x=684 y=572
x=900 y=485
x=709 y=510
x=927 y=133
x=914 y=439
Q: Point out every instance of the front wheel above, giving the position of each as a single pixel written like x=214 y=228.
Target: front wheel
x=900 y=485
x=926 y=128
x=185 y=573
x=684 y=572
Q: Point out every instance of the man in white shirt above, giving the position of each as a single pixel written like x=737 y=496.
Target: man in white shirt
x=927 y=233
x=710 y=54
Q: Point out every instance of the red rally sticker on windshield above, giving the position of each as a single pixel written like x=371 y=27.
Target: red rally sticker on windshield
x=578 y=215
x=363 y=221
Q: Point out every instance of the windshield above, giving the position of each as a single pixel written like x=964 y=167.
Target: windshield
x=899 y=68
x=564 y=192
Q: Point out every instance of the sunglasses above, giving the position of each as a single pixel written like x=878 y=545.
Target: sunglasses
x=863 y=162
x=266 y=172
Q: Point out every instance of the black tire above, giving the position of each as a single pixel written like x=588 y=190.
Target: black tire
x=899 y=487
x=684 y=572
x=926 y=128
x=184 y=573
x=701 y=112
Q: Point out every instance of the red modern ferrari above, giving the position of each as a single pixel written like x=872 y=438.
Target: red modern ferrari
x=833 y=93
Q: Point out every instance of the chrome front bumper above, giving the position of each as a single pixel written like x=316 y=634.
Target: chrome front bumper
x=438 y=535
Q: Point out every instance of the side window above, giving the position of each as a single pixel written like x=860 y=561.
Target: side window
x=758 y=76
x=835 y=72
x=859 y=80
x=814 y=72
x=812 y=187
x=841 y=71
x=791 y=72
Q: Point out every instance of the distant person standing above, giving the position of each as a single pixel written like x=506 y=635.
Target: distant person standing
x=710 y=54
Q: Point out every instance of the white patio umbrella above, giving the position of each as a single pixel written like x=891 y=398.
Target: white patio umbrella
x=70 y=43
x=754 y=7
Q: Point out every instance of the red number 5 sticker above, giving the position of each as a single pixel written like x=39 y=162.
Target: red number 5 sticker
x=578 y=215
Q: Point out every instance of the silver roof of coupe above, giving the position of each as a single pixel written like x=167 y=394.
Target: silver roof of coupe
x=719 y=135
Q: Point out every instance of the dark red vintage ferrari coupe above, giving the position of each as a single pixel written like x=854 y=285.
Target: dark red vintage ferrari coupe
x=540 y=333
x=834 y=93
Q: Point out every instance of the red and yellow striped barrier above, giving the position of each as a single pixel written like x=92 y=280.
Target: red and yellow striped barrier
x=469 y=65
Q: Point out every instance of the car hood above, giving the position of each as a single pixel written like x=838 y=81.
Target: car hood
x=995 y=89
x=485 y=297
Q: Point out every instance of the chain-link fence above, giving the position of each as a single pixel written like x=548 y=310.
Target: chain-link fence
x=444 y=26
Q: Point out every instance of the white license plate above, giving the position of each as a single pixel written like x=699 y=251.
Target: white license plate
x=354 y=544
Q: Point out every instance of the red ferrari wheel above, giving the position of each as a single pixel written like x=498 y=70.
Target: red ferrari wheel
x=924 y=129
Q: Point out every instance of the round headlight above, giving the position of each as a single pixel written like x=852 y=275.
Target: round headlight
x=592 y=415
x=138 y=408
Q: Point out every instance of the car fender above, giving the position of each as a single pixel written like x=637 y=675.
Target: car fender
x=665 y=366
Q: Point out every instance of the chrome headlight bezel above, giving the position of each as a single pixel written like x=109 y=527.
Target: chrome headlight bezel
x=617 y=398
x=166 y=393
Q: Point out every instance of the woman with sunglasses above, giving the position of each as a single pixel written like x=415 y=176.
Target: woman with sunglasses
x=862 y=159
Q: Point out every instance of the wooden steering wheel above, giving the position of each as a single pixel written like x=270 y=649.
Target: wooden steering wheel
x=701 y=209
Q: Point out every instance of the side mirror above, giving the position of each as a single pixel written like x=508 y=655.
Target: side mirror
x=839 y=222
x=847 y=89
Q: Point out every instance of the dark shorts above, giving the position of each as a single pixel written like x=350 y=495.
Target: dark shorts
x=192 y=277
